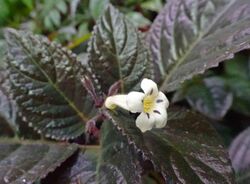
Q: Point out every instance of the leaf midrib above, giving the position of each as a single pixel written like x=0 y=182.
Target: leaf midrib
x=198 y=39
x=71 y=104
x=115 y=48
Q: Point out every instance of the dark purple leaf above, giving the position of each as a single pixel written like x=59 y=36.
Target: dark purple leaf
x=190 y=36
x=117 y=52
x=188 y=149
x=119 y=162
x=46 y=85
x=27 y=162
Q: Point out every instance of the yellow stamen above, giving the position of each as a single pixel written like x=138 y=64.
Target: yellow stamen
x=112 y=107
x=148 y=103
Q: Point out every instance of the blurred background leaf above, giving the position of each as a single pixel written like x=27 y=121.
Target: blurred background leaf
x=97 y=7
x=208 y=96
x=239 y=152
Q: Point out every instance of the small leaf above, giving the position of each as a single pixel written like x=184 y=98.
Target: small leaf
x=97 y=7
x=191 y=36
x=187 y=150
x=117 y=52
x=27 y=162
x=118 y=162
x=62 y=7
x=55 y=17
x=241 y=90
x=239 y=66
x=239 y=153
x=208 y=96
x=153 y=5
x=237 y=78
x=138 y=19
x=46 y=83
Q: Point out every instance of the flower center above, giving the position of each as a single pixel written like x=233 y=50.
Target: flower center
x=148 y=103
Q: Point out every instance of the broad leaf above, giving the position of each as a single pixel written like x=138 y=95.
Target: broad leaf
x=187 y=150
x=208 y=96
x=117 y=52
x=46 y=83
x=190 y=36
x=80 y=168
x=118 y=162
x=25 y=162
x=239 y=153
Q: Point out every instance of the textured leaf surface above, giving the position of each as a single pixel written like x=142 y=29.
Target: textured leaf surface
x=117 y=52
x=46 y=83
x=28 y=162
x=7 y=108
x=2 y=48
x=187 y=150
x=118 y=162
x=239 y=152
x=79 y=169
x=190 y=36
x=208 y=96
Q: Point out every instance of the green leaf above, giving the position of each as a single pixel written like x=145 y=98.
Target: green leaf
x=118 y=162
x=55 y=17
x=239 y=154
x=241 y=90
x=239 y=66
x=28 y=3
x=27 y=162
x=153 y=5
x=191 y=36
x=97 y=7
x=208 y=96
x=188 y=149
x=62 y=7
x=116 y=52
x=46 y=83
x=237 y=77
x=4 y=12
x=138 y=19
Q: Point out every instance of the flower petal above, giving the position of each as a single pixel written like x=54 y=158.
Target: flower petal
x=117 y=100
x=161 y=101
x=145 y=122
x=135 y=101
x=149 y=87
x=160 y=116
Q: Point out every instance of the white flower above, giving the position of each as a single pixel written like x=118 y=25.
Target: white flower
x=152 y=104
